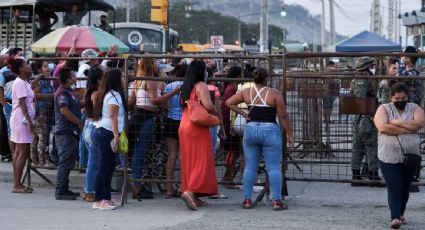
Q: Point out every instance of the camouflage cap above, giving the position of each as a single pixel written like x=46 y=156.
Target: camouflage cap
x=364 y=63
x=89 y=53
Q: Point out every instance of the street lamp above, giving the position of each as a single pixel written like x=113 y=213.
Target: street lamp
x=188 y=9
x=283 y=12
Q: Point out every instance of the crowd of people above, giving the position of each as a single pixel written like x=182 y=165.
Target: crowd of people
x=84 y=104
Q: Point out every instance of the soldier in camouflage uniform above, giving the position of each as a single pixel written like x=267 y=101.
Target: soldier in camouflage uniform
x=365 y=133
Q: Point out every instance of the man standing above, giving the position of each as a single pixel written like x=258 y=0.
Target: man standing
x=385 y=85
x=408 y=69
x=365 y=133
x=67 y=129
x=104 y=24
x=75 y=15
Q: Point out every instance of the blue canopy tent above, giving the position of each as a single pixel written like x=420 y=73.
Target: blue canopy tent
x=367 y=42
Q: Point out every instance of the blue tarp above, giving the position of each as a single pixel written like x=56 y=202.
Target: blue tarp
x=367 y=42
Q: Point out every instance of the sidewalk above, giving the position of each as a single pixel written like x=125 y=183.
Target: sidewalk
x=311 y=206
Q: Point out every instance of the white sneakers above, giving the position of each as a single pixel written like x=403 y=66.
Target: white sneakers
x=104 y=205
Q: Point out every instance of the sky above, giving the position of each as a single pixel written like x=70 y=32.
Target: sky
x=354 y=18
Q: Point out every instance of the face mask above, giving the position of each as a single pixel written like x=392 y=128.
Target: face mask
x=73 y=86
x=51 y=67
x=404 y=60
x=401 y=105
x=373 y=71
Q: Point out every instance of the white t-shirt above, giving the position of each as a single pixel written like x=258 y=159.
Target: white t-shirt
x=111 y=98
x=82 y=84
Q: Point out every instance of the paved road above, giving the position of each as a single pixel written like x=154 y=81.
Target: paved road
x=312 y=206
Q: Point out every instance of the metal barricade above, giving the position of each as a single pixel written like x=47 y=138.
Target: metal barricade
x=154 y=171
x=322 y=113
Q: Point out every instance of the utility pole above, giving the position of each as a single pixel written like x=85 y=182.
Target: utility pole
x=127 y=16
x=323 y=26
x=332 y=18
x=264 y=26
x=239 y=23
x=376 y=22
x=391 y=20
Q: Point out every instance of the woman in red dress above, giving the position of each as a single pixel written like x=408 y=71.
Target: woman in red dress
x=196 y=158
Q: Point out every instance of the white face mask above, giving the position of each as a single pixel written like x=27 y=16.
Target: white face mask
x=373 y=71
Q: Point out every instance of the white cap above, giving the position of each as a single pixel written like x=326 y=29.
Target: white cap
x=4 y=51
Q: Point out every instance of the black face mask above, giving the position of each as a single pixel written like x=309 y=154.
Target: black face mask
x=401 y=105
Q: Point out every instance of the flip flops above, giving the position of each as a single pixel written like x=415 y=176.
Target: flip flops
x=23 y=190
x=174 y=195
x=189 y=203
x=218 y=196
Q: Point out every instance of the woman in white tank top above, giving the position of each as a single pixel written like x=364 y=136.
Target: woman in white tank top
x=145 y=96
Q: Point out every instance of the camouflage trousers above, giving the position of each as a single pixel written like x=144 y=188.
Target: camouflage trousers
x=365 y=144
x=40 y=143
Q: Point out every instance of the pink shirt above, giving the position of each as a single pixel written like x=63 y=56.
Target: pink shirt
x=20 y=132
x=215 y=89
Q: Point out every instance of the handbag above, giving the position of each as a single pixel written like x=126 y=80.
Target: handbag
x=123 y=143
x=410 y=160
x=199 y=116
x=239 y=124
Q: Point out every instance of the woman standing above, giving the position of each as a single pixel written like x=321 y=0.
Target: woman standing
x=146 y=96
x=21 y=121
x=172 y=124
x=232 y=143
x=94 y=77
x=108 y=112
x=197 y=163
x=43 y=110
x=398 y=123
x=262 y=135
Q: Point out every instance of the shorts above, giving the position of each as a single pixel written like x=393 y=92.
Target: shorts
x=171 y=128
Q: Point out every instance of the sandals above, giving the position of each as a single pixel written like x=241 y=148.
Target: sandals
x=403 y=220
x=200 y=203
x=173 y=195
x=247 y=204
x=23 y=190
x=218 y=196
x=188 y=201
x=89 y=197
x=278 y=205
x=395 y=224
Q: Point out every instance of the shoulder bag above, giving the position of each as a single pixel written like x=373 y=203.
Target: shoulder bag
x=410 y=160
x=199 y=116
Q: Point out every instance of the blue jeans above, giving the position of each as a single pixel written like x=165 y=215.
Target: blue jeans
x=82 y=149
x=266 y=139
x=93 y=158
x=106 y=163
x=213 y=132
x=398 y=180
x=141 y=146
x=66 y=145
x=8 y=113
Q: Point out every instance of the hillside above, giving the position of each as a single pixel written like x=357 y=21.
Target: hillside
x=301 y=26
